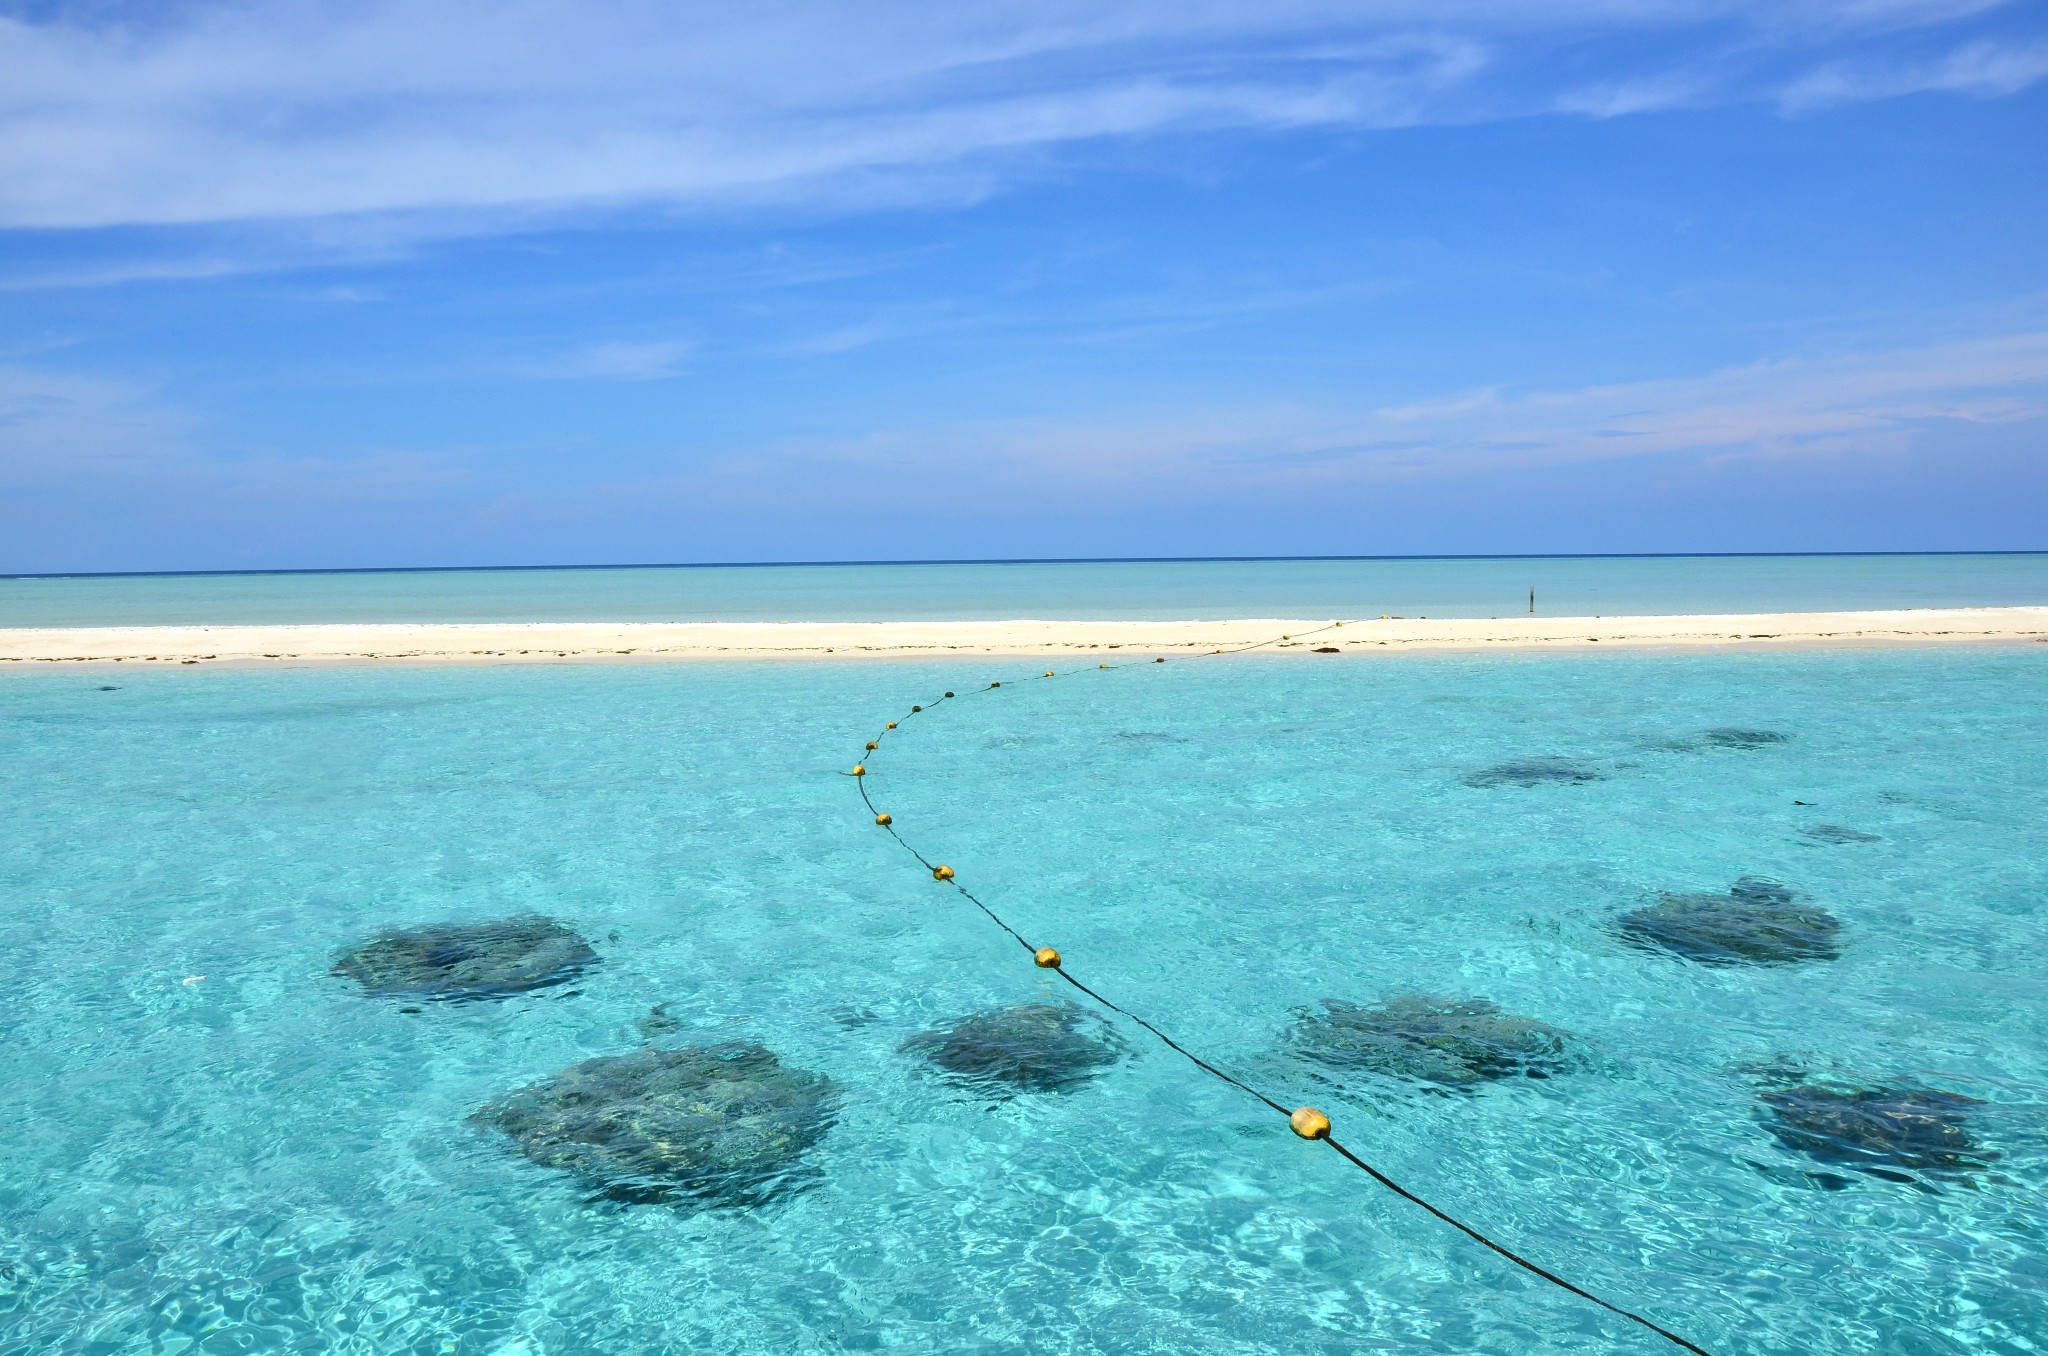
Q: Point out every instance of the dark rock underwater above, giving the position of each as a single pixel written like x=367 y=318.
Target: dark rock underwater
x=1028 y=1047
x=718 y=1125
x=1532 y=772
x=1450 y=1043
x=1886 y=1132
x=462 y=962
x=1756 y=922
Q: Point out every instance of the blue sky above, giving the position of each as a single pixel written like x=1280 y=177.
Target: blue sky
x=320 y=285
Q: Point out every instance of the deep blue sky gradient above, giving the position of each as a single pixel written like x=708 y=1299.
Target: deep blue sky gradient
x=1735 y=321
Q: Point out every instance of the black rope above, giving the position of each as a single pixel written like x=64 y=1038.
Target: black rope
x=1191 y=1056
x=1405 y=1194
x=860 y=781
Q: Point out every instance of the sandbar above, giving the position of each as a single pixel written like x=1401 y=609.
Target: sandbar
x=555 y=642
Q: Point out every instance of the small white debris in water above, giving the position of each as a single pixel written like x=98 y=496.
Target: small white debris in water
x=191 y=979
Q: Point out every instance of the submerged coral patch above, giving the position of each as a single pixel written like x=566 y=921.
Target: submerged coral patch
x=1837 y=833
x=721 y=1125
x=1028 y=1047
x=1730 y=738
x=1532 y=772
x=658 y=1023
x=1455 y=1043
x=853 y=1018
x=1757 y=922
x=1762 y=890
x=1876 y=1130
x=457 y=962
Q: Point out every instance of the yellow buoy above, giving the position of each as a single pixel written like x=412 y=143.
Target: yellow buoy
x=859 y=770
x=995 y=684
x=892 y=724
x=1102 y=666
x=1160 y=660
x=1048 y=673
x=949 y=694
x=884 y=820
x=942 y=872
x=1045 y=958
x=872 y=746
x=1309 y=1123
x=915 y=709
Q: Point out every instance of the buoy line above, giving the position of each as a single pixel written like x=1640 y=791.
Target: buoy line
x=1306 y=1121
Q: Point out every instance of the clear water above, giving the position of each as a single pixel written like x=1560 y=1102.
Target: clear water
x=266 y=1160
x=1197 y=589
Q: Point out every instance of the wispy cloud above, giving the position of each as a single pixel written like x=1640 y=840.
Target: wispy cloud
x=112 y=456
x=59 y=426
x=265 y=110
x=1845 y=402
x=1987 y=69
x=1646 y=93
x=619 y=360
x=1779 y=408
x=87 y=259
x=118 y=272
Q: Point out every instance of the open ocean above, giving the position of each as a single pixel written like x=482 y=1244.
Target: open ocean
x=1063 y=590
x=209 y=1142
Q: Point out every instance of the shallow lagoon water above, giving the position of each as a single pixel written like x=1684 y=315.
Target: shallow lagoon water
x=268 y=1160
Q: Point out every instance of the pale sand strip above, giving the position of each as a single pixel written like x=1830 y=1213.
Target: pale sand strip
x=553 y=641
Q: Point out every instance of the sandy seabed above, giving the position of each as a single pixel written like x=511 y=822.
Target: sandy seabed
x=529 y=642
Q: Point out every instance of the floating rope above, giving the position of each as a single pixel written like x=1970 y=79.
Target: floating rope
x=1306 y=1121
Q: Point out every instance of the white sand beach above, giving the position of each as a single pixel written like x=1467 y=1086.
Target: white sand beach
x=658 y=641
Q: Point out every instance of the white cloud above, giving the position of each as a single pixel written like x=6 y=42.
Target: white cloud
x=59 y=425
x=1987 y=69
x=1845 y=402
x=1773 y=408
x=264 y=110
x=1639 y=94
x=620 y=360
x=54 y=423
x=189 y=268
x=93 y=472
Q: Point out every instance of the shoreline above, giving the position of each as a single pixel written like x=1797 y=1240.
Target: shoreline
x=654 y=642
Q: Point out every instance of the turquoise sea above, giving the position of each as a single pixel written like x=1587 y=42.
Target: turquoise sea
x=1165 y=589
x=209 y=1143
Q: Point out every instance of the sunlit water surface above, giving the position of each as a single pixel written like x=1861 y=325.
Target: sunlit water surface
x=213 y=1145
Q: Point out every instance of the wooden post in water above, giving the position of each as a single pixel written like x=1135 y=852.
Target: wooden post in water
x=1532 y=600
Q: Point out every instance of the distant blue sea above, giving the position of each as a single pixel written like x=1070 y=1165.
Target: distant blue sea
x=210 y=1143
x=1165 y=590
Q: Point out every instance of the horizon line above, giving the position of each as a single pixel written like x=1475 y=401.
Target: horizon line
x=996 y=560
